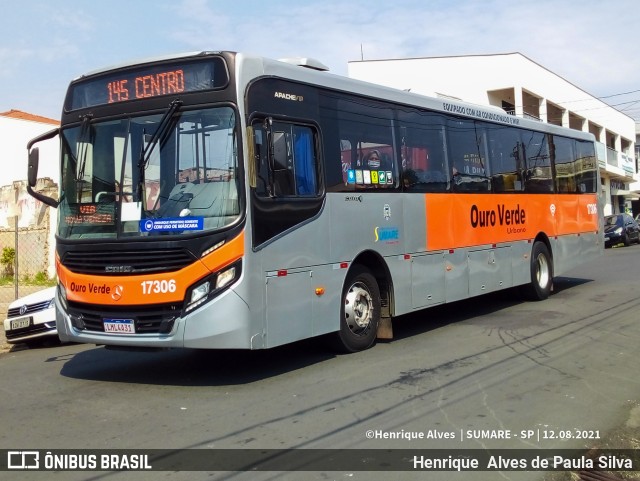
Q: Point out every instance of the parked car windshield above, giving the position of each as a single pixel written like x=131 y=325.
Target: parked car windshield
x=613 y=220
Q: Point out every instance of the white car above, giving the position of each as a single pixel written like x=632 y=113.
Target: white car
x=32 y=317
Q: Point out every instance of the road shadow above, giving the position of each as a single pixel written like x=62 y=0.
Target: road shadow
x=436 y=317
x=564 y=283
x=191 y=367
x=195 y=367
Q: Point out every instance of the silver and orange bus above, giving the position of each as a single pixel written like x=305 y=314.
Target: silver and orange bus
x=222 y=200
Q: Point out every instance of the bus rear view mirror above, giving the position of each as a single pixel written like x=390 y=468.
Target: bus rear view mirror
x=32 y=166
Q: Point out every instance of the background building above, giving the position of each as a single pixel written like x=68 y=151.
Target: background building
x=523 y=88
x=27 y=225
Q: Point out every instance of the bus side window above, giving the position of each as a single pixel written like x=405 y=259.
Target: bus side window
x=292 y=169
x=538 y=176
x=363 y=148
x=505 y=157
x=467 y=153
x=586 y=166
x=348 y=160
x=283 y=183
x=375 y=166
x=260 y=161
x=305 y=161
x=565 y=163
x=422 y=152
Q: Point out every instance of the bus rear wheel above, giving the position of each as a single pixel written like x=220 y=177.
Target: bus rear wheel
x=541 y=269
x=359 y=312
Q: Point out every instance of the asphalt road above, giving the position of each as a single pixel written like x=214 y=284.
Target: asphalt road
x=493 y=364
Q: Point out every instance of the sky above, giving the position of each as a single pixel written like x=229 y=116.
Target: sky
x=44 y=44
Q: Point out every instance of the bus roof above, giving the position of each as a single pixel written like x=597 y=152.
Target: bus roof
x=141 y=61
x=487 y=113
x=316 y=74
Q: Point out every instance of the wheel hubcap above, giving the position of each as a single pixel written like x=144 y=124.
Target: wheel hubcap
x=358 y=308
x=543 y=274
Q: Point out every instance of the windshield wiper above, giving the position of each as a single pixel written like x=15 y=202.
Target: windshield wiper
x=164 y=126
x=83 y=139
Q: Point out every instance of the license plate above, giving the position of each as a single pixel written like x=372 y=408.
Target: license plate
x=119 y=326
x=20 y=323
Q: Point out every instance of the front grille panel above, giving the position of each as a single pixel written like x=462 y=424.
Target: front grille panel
x=143 y=261
x=157 y=319
x=31 y=308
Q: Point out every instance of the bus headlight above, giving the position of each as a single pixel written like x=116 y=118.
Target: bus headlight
x=209 y=287
x=198 y=295
x=200 y=291
x=225 y=277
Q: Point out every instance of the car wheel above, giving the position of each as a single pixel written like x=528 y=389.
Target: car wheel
x=625 y=239
x=359 y=312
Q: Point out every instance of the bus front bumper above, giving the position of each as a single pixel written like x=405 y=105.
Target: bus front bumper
x=223 y=323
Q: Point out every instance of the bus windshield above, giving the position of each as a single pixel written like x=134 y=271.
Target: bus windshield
x=164 y=174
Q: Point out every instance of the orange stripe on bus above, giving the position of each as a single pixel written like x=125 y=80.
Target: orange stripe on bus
x=464 y=220
x=161 y=288
x=225 y=255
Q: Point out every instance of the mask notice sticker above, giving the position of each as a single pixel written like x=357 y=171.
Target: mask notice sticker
x=172 y=225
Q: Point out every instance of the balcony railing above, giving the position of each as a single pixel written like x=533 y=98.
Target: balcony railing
x=612 y=157
x=617 y=159
x=525 y=115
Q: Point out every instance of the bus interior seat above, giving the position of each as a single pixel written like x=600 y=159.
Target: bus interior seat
x=214 y=199
x=434 y=179
x=216 y=202
x=179 y=198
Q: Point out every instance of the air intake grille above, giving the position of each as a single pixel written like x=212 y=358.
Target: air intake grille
x=157 y=319
x=127 y=262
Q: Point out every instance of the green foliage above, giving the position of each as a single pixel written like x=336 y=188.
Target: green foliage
x=39 y=279
x=7 y=260
x=8 y=256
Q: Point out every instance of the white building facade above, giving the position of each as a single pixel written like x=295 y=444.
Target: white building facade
x=523 y=88
x=34 y=222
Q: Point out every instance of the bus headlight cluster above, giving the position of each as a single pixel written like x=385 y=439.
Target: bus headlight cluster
x=200 y=292
x=209 y=287
x=226 y=277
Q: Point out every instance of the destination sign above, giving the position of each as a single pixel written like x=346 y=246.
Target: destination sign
x=147 y=81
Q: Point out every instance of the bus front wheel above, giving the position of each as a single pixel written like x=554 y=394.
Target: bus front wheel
x=359 y=312
x=541 y=269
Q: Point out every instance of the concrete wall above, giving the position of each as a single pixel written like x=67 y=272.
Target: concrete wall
x=36 y=227
x=35 y=245
x=14 y=135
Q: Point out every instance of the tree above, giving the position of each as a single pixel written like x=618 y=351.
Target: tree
x=8 y=261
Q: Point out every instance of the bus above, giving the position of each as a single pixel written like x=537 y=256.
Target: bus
x=222 y=200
